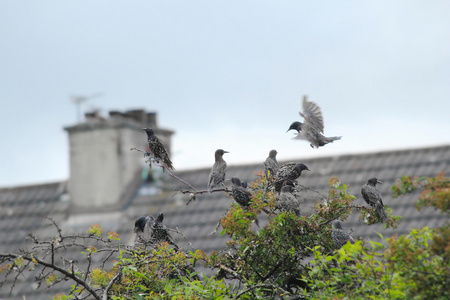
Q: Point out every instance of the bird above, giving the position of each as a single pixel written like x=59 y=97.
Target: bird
x=312 y=127
x=289 y=171
x=287 y=201
x=373 y=197
x=340 y=237
x=160 y=232
x=240 y=194
x=218 y=170
x=271 y=164
x=141 y=229
x=157 y=149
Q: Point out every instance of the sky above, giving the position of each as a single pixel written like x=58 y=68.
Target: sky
x=223 y=74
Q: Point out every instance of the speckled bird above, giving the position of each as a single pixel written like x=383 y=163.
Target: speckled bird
x=160 y=232
x=289 y=171
x=141 y=229
x=157 y=149
x=271 y=164
x=218 y=170
x=373 y=197
x=287 y=201
x=312 y=127
x=240 y=194
x=340 y=237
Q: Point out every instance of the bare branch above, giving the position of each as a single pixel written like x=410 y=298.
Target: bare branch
x=56 y=268
x=110 y=284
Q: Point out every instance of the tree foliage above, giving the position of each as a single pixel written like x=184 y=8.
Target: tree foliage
x=292 y=257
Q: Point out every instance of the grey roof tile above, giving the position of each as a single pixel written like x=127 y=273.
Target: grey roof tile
x=22 y=208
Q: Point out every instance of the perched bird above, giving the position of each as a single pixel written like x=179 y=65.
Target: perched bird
x=340 y=237
x=289 y=171
x=271 y=164
x=141 y=229
x=218 y=170
x=312 y=127
x=157 y=149
x=240 y=194
x=160 y=232
x=287 y=201
x=373 y=197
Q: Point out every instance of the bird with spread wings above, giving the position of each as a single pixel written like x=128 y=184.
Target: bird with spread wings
x=312 y=127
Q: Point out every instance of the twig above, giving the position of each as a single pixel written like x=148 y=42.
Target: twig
x=195 y=192
x=56 y=268
x=312 y=190
x=251 y=288
x=232 y=272
x=110 y=284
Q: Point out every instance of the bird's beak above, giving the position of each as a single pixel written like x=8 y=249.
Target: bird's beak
x=308 y=169
x=225 y=151
x=379 y=181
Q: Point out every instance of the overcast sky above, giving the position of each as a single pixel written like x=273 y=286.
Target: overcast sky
x=223 y=74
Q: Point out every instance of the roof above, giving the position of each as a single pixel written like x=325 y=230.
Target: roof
x=22 y=208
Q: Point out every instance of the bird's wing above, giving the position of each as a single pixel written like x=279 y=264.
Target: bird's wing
x=284 y=171
x=245 y=191
x=217 y=174
x=341 y=237
x=132 y=238
x=312 y=114
x=271 y=165
x=148 y=225
x=371 y=195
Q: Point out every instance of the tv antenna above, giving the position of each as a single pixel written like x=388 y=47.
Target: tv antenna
x=78 y=99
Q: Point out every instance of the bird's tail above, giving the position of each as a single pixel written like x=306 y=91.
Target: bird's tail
x=333 y=138
x=381 y=212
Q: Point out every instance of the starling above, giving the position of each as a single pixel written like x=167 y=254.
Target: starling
x=373 y=197
x=141 y=228
x=157 y=149
x=240 y=194
x=287 y=201
x=218 y=171
x=160 y=233
x=312 y=127
x=289 y=171
x=340 y=237
x=271 y=164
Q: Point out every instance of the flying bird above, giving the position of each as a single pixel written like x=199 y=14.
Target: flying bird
x=373 y=197
x=289 y=171
x=271 y=164
x=218 y=170
x=157 y=149
x=340 y=237
x=141 y=229
x=287 y=201
x=312 y=127
x=160 y=233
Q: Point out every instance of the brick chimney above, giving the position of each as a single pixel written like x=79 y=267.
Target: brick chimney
x=104 y=173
